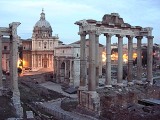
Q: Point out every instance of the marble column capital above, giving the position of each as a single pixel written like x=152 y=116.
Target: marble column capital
x=129 y=36
x=150 y=37
x=82 y=33
x=13 y=26
x=92 y=32
x=119 y=36
x=108 y=34
x=139 y=37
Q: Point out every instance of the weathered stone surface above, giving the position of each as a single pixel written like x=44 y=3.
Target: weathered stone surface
x=123 y=104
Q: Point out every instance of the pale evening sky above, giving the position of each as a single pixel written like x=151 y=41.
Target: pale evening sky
x=62 y=14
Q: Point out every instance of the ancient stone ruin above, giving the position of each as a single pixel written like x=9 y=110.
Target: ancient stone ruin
x=111 y=24
x=11 y=31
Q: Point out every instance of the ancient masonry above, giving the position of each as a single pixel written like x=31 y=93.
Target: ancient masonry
x=14 y=41
x=110 y=25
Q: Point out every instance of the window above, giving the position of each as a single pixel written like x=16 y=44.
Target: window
x=45 y=44
x=39 y=44
x=5 y=47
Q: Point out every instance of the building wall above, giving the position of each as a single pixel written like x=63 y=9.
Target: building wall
x=26 y=53
x=69 y=55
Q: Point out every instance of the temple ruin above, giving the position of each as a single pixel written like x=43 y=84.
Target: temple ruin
x=111 y=24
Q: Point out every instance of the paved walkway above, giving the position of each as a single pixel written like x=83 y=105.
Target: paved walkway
x=57 y=88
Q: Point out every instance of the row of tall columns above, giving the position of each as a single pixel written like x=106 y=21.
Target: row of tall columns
x=130 y=59
x=93 y=60
x=93 y=72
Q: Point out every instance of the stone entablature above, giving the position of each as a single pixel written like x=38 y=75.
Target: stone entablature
x=103 y=27
x=68 y=51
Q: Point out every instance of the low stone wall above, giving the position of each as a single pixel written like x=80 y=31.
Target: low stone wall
x=58 y=114
x=123 y=102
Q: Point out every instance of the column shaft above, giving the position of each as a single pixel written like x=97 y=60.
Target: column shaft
x=97 y=58
x=130 y=58
x=71 y=75
x=65 y=70
x=150 y=59
x=108 y=60
x=14 y=40
x=120 y=59
x=1 y=85
x=139 y=58
x=92 y=64
x=83 y=67
x=58 y=71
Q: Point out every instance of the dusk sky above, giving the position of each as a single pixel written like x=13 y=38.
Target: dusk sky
x=62 y=14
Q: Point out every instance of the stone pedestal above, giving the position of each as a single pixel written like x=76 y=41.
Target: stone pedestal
x=89 y=101
x=17 y=105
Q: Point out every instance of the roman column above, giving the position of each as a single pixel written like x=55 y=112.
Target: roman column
x=83 y=67
x=14 y=57
x=108 y=60
x=150 y=59
x=65 y=69
x=92 y=62
x=71 y=77
x=14 y=39
x=130 y=58
x=120 y=60
x=97 y=58
x=139 y=58
x=58 y=70
x=1 y=85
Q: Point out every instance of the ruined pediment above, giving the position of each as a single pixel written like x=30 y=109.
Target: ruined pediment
x=112 y=19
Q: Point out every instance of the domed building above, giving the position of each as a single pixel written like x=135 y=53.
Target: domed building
x=43 y=44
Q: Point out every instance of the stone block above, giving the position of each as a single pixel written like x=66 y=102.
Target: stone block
x=30 y=115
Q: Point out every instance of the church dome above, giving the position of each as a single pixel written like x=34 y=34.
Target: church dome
x=42 y=28
x=43 y=22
